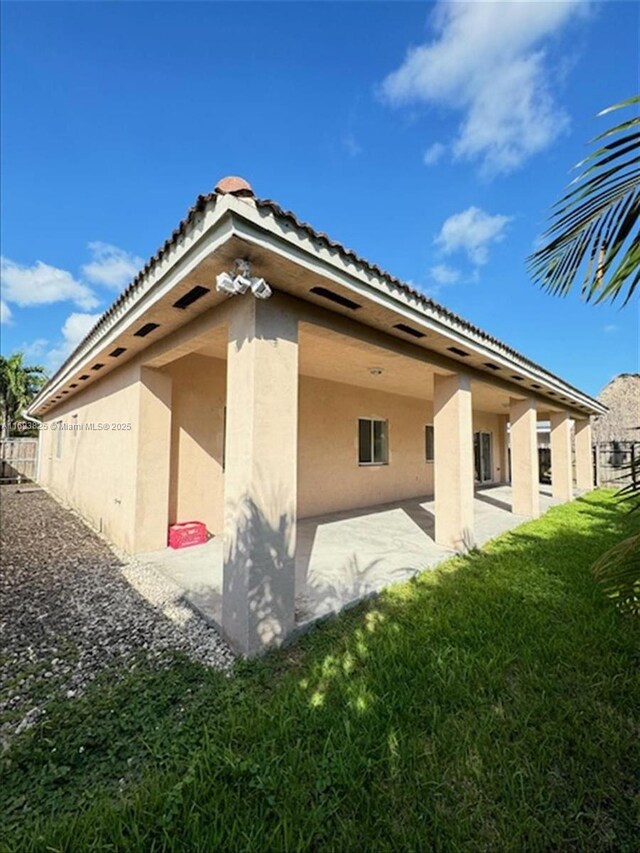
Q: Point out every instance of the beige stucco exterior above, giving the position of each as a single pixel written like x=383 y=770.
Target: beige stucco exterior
x=230 y=431
x=95 y=471
x=584 y=454
x=562 y=473
x=329 y=477
x=260 y=476
x=196 y=487
x=454 y=461
x=524 y=457
x=243 y=413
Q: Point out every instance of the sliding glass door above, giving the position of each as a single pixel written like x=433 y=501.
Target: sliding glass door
x=482 y=456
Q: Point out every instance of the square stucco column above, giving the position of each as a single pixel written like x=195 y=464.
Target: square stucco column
x=260 y=475
x=151 y=516
x=506 y=474
x=561 y=463
x=453 y=461
x=584 y=454
x=525 y=487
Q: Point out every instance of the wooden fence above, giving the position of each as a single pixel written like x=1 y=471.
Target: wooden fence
x=614 y=463
x=18 y=460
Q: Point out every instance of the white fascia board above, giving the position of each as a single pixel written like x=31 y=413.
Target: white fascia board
x=322 y=261
x=213 y=227
x=204 y=238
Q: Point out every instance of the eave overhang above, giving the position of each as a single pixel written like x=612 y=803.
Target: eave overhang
x=269 y=232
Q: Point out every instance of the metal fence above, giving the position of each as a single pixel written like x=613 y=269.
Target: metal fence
x=612 y=462
x=18 y=460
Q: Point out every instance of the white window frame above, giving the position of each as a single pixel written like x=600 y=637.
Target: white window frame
x=430 y=459
x=374 y=462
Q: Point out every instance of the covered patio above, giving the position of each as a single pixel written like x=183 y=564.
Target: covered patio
x=263 y=442
x=299 y=402
x=343 y=557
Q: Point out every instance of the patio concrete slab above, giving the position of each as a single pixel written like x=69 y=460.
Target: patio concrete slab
x=198 y=570
x=345 y=556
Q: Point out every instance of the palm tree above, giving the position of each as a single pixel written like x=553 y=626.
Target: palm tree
x=595 y=234
x=19 y=383
x=596 y=226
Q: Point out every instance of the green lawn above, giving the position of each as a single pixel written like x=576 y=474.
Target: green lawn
x=490 y=705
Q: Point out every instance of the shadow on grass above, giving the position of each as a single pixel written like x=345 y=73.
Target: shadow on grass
x=488 y=705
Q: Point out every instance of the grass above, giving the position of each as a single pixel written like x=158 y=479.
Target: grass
x=490 y=705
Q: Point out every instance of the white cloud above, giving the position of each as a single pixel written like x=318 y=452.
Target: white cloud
x=74 y=329
x=444 y=274
x=42 y=284
x=491 y=63
x=434 y=154
x=472 y=231
x=610 y=329
x=111 y=266
x=5 y=313
x=36 y=349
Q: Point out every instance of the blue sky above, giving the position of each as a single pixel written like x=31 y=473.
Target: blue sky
x=431 y=138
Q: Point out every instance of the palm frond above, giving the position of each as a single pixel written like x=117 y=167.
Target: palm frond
x=595 y=227
x=618 y=572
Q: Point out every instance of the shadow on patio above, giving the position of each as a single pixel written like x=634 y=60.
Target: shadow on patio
x=345 y=556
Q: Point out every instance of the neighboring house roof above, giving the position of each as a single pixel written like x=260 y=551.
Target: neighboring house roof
x=395 y=288
x=622 y=421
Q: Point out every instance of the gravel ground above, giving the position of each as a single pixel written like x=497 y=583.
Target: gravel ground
x=71 y=607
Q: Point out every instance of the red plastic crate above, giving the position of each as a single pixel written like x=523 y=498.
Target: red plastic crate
x=186 y=534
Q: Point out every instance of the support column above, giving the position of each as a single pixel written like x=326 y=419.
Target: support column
x=453 y=461
x=525 y=485
x=561 y=463
x=584 y=454
x=504 y=431
x=258 y=600
x=151 y=516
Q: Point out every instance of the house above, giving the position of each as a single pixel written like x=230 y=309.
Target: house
x=256 y=372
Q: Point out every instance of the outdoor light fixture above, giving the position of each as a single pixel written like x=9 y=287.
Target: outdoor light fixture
x=375 y=371
x=260 y=288
x=241 y=280
x=224 y=282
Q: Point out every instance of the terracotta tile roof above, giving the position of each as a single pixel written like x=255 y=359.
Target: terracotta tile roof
x=239 y=187
x=280 y=213
x=200 y=204
x=426 y=301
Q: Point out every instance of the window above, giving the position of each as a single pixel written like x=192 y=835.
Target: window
x=428 y=443
x=373 y=443
x=58 y=439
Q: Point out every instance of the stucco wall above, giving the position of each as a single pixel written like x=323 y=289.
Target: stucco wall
x=96 y=470
x=196 y=488
x=329 y=476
